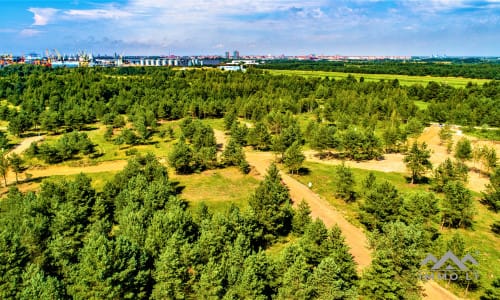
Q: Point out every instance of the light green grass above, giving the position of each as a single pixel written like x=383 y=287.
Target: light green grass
x=217 y=188
x=322 y=178
x=403 y=79
x=214 y=123
x=421 y=104
x=479 y=237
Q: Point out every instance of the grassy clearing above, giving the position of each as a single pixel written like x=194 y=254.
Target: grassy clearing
x=322 y=178
x=403 y=79
x=479 y=237
x=484 y=134
x=217 y=188
x=421 y=104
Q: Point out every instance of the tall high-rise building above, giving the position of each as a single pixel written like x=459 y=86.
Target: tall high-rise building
x=227 y=55
x=236 y=54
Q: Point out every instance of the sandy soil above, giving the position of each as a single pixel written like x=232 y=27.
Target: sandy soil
x=476 y=182
x=25 y=144
x=320 y=208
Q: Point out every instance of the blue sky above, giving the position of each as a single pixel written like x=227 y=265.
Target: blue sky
x=291 y=27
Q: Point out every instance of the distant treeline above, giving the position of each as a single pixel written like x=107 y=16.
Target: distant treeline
x=459 y=68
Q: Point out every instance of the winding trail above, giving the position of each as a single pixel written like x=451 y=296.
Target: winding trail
x=25 y=144
x=322 y=209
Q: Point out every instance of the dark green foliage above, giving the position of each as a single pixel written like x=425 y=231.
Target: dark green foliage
x=19 y=123
x=233 y=155
x=448 y=171
x=37 y=285
x=259 y=136
x=65 y=148
x=110 y=269
x=457 y=206
x=392 y=274
x=201 y=153
x=129 y=137
x=419 y=208
x=369 y=182
x=4 y=141
x=16 y=162
x=466 y=67
x=229 y=119
x=271 y=205
x=417 y=161
x=463 y=150
x=491 y=197
x=108 y=134
x=492 y=292
x=295 y=281
x=239 y=133
x=328 y=280
x=382 y=205
x=322 y=136
x=293 y=157
x=181 y=157
x=495 y=227
x=360 y=144
x=301 y=217
x=344 y=183
x=172 y=273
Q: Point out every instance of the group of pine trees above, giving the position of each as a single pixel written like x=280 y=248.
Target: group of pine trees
x=137 y=239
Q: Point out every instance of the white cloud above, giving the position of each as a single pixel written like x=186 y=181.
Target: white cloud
x=95 y=14
x=43 y=16
x=28 y=32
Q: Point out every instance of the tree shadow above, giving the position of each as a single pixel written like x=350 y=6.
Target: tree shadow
x=178 y=188
x=303 y=171
x=421 y=180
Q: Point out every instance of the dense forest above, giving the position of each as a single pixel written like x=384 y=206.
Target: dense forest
x=137 y=238
x=488 y=69
x=49 y=100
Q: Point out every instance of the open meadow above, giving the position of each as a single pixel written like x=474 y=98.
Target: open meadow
x=406 y=80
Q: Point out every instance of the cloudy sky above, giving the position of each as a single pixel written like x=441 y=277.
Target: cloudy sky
x=291 y=27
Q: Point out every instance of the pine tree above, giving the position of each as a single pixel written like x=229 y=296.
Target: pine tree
x=294 y=157
x=491 y=196
x=301 y=217
x=233 y=155
x=345 y=183
x=4 y=167
x=457 y=207
x=271 y=204
x=463 y=150
x=295 y=285
x=181 y=156
x=493 y=292
x=417 y=161
x=16 y=162
x=327 y=281
x=382 y=205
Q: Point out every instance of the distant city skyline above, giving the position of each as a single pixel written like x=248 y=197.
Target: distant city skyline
x=257 y=27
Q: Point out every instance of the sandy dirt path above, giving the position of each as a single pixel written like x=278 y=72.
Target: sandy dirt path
x=320 y=208
x=25 y=144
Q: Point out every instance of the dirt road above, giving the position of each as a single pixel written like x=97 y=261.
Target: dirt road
x=25 y=144
x=320 y=208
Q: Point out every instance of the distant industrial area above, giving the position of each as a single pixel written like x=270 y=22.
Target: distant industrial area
x=229 y=61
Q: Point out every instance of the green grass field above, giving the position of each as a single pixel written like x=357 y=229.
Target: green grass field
x=403 y=79
x=479 y=237
x=218 y=188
